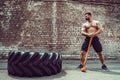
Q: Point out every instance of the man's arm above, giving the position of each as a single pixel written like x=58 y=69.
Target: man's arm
x=100 y=29
x=83 y=31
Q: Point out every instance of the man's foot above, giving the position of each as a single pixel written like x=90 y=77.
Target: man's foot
x=80 y=66
x=104 y=67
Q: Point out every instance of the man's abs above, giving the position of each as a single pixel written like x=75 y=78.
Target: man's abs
x=91 y=30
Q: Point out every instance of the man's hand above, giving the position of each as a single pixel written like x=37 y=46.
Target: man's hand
x=91 y=34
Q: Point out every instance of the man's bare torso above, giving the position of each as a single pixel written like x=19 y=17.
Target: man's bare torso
x=91 y=27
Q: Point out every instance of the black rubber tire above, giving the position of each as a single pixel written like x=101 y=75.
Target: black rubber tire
x=32 y=64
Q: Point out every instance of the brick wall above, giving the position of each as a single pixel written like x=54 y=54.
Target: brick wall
x=35 y=25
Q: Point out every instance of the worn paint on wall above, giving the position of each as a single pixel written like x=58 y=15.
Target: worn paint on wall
x=35 y=25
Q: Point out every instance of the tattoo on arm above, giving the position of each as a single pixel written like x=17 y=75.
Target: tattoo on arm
x=100 y=29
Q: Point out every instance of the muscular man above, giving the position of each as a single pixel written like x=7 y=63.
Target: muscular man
x=89 y=29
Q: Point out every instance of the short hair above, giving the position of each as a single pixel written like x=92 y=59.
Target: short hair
x=89 y=13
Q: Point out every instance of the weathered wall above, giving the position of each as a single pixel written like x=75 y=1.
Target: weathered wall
x=36 y=25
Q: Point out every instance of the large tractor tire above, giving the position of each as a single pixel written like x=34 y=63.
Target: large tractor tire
x=32 y=64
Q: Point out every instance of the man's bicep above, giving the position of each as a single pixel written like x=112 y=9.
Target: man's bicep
x=83 y=28
x=99 y=26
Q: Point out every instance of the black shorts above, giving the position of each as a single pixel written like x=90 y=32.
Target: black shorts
x=95 y=43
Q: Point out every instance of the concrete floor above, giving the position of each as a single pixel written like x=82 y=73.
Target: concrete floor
x=71 y=72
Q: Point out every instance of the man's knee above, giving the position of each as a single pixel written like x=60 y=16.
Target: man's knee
x=100 y=54
x=83 y=53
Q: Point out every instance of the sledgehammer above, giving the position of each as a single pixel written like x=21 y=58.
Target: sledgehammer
x=86 y=56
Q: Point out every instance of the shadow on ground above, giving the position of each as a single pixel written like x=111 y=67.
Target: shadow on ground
x=111 y=72
x=59 y=75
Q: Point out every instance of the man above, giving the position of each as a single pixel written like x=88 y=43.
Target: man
x=89 y=29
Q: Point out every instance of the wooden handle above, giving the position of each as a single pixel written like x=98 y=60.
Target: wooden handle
x=88 y=50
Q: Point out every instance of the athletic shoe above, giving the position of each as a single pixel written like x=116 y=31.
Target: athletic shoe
x=80 y=66
x=104 y=67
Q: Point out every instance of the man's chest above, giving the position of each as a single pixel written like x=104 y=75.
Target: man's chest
x=91 y=25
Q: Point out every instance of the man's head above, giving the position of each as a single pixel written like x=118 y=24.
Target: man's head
x=88 y=16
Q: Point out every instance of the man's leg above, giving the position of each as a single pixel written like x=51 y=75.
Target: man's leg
x=82 y=57
x=98 y=48
x=101 y=57
x=83 y=52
